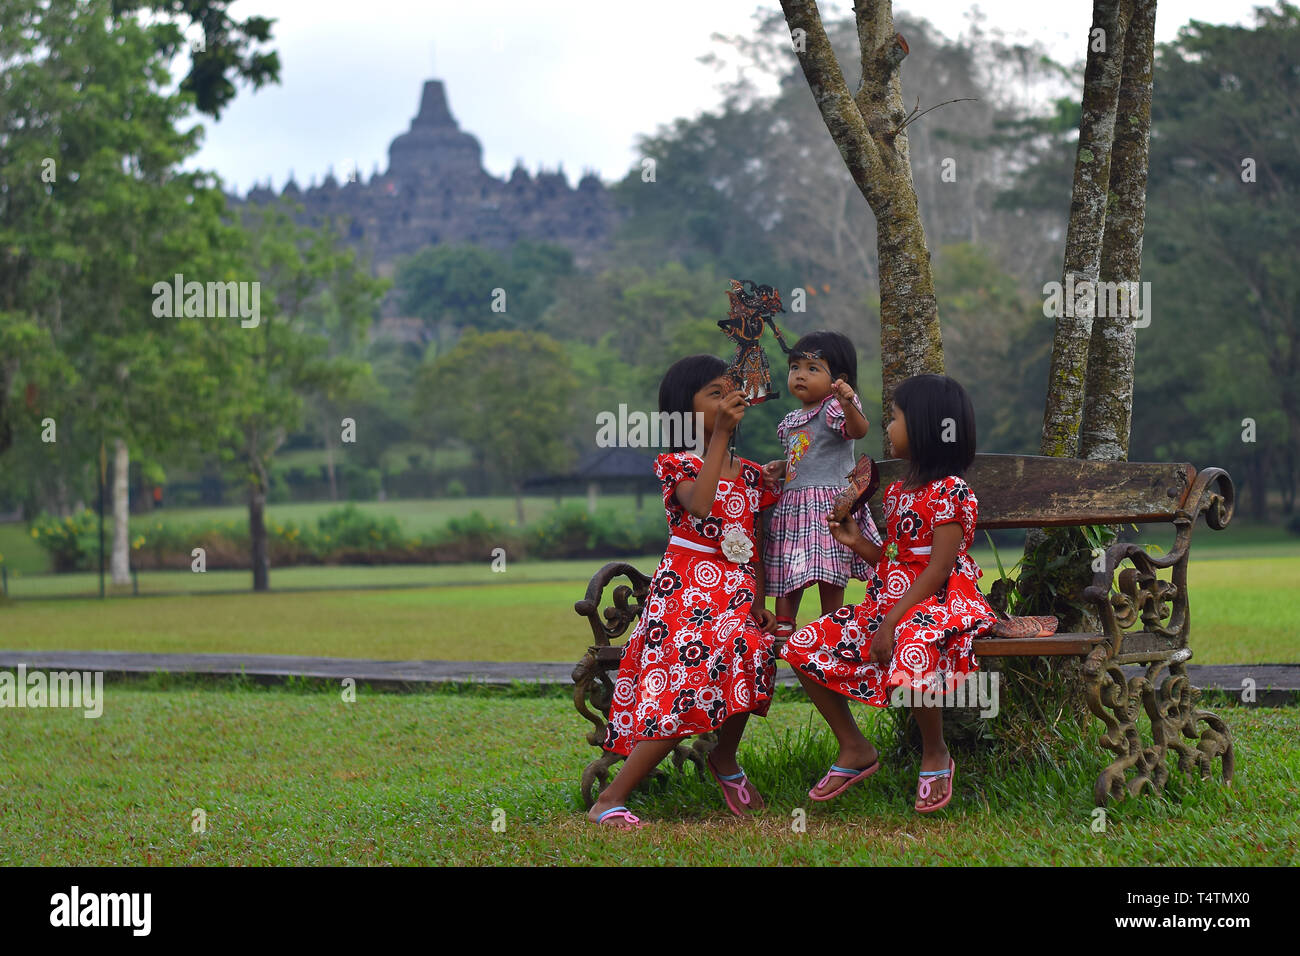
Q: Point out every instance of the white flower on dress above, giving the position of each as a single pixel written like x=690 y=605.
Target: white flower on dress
x=736 y=547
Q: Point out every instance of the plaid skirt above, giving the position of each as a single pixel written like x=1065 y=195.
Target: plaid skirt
x=799 y=550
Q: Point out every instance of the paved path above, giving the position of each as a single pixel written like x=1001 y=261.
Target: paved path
x=1276 y=684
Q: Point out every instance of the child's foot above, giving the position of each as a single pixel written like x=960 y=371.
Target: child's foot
x=613 y=814
x=940 y=783
x=858 y=758
x=726 y=767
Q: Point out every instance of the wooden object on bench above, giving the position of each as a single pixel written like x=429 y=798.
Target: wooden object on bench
x=1019 y=491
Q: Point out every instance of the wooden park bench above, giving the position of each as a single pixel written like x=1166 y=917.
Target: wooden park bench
x=1144 y=618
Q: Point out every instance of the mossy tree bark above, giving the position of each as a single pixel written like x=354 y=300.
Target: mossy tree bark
x=1063 y=410
x=1108 y=405
x=867 y=127
x=1095 y=355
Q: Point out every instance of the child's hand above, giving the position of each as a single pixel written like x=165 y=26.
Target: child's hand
x=882 y=645
x=845 y=532
x=765 y=618
x=774 y=474
x=730 y=411
x=843 y=391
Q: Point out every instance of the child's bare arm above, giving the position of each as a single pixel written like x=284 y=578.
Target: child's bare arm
x=855 y=423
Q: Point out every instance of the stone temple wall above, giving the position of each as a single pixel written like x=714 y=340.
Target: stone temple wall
x=435 y=190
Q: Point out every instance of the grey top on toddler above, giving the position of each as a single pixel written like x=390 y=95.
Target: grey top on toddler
x=818 y=453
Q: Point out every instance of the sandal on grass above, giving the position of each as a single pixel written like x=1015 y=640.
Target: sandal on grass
x=836 y=771
x=743 y=790
x=620 y=817
x=926 y=781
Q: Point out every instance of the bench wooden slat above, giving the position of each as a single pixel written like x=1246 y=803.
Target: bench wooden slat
x=1024 y=491
x=1058 y=645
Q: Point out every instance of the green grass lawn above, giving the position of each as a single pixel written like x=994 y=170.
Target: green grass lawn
x=297 y=777
x=337 y=577
x=1243 y=611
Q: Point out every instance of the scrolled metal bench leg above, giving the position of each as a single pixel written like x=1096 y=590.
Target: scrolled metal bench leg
x=1215 y=740
x=1171 y=706
x=696 y=753
x=1114 y=702
x=598 y=769
x=592 y=692
x=1116 y=699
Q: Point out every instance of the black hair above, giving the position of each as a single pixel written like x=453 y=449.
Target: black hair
x=940 y=427
x=836 y=351
x=682 y=380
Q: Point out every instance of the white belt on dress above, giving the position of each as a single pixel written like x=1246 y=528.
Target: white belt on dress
x=694 y=546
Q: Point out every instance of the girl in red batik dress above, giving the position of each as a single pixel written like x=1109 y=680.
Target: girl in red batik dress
x=923 y=608
x=700 y=658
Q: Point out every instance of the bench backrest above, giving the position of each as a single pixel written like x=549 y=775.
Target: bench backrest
x=1031 y=491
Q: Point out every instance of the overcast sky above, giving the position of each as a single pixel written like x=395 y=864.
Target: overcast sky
x=569 y=82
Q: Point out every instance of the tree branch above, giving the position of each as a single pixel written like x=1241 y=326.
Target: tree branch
x=917 y=112
x=875 y=19
x=843 y=119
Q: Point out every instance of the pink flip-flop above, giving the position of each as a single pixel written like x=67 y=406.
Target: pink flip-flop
x=924 y=784
x=620 y=814
x=853 y=777
x=728 y=785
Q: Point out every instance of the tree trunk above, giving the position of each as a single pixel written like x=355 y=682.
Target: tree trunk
x=1108 y=408
x=120 y=562
x=257 y=528
x=1067 y=379
x=1062 y=413
x=868 y=129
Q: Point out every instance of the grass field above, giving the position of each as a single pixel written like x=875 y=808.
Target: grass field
x=1243 y=611
x=298 y=777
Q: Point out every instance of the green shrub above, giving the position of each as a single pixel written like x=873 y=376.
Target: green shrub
x=348 y=535
x=72 y=542
x=350 y=527
x=565 y=532
x=471 y=538
x=571 y=532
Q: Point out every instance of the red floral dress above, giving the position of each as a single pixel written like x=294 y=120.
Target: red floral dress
x=932 y=643
x=696 y=657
